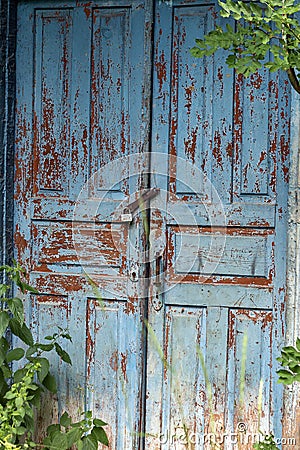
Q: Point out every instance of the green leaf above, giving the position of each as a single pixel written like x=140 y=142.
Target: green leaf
x=88 y=414
x=31 y=351
x=15 y=354
x=290 y=350
x=22 y=331
x=10 y=395
x=6 y=371
x=46 y=347
x=2 y=355
x=25 y=286
x=63 y=354
x=3 y=289
x=99 y=434
x=52 y=429
x=19 y=402
x=73 y=436
x=99 y=423
x=65 y=420
x=196 y=52
x=3 y=386
x=59 y=441
x=50 y=383
x=44 y=369
x=284 y=373
x=4 y=321
x=49 y=338
x=16 y=306
x=67 y=336
x=36 y=396
x=285 y=377
x=90 y=443
x=20 y=431
x=19 y=374
x=255 y=9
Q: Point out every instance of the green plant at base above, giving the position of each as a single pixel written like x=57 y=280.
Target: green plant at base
x=290 y=358
x=269 y=26
x=17 y=415
x=267 y=444
x=85 y=434
x=20 y=389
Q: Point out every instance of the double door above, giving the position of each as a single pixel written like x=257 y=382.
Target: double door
x=150 y=212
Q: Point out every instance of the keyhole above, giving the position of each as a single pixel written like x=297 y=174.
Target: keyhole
x=134 y=274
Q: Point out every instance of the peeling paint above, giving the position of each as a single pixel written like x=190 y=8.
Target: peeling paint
x=65 y=135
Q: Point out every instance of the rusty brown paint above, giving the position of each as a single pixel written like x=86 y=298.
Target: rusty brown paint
x=173 y=151
x=284 y=155
x=166 y=347
x=231 y=337
x=161 y=69
x=124 y=365
x=237 y=134
x=174 y=119
x=124 y=133
x=113 y=361
x=20 y=241
x=188 y=98
x=229 y=150
x=90 y=343
x=130 y=307
x=217 y=151
x=191 y=145
x=256 y=80
x=221 y=81
x=59 y=284
x=56 y=245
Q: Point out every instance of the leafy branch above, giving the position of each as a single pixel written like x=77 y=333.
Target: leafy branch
x=21 y=389
x=290 y=359
x=266 y=34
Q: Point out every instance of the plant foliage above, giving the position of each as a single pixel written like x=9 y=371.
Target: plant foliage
x=21 y=384
x=261 y=28
x=267 y=444
x=290 y=359
x=85 y=434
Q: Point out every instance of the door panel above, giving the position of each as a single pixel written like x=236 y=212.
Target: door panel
x=204 y=264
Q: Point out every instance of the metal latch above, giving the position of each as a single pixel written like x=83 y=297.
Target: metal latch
x=139 y=203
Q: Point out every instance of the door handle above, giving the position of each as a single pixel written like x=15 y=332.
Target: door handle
x=158 y=260
x=157 y=302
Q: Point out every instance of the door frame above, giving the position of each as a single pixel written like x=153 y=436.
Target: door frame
x=8 y=28
x=8 y=11
x=291 y=408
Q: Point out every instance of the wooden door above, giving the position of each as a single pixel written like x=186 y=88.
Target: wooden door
x=83 y=89
x=112 y=110
x=221 y=145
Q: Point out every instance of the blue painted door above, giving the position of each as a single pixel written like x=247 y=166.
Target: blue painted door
x=150 y=212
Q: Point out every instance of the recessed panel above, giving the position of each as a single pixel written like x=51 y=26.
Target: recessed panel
x=249 y=367
x=219 y=254
x=110 y=100
x=53 y=60
x=58 y=245
x=113 y=369
x=185 y=397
